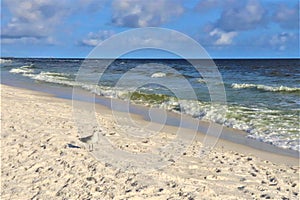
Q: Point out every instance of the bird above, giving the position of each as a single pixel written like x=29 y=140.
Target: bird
x=90 y=140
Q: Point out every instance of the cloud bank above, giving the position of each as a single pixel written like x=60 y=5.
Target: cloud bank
x=137 y=13
x=93 y=39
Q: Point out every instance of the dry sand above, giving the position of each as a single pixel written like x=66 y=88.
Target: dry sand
x=37 y=163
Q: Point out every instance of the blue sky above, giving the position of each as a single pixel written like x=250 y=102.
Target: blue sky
x=225 y=28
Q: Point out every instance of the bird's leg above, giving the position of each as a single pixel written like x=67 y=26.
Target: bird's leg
x=91 y=147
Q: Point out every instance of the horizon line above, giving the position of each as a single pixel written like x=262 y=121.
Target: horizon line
x=153 y=58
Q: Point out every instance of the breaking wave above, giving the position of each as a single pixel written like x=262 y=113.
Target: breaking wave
x=25 y=70
x=5 y=61
x=265 y=87
x=158 y=75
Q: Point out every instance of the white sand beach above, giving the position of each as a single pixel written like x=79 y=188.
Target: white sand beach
x=43 y=158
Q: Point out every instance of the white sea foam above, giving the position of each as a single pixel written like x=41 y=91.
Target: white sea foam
x=265 y=87
x=51 y=77
x=27 y=66
x=18 y=71
x=260 y=123
x=22 y=70
x=158 y=75
x=201 y=80
x=5 y=61
x=55 y=74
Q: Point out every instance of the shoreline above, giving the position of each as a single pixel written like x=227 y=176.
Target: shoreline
x=261 y=121
x=38 y=161
x=231 y=135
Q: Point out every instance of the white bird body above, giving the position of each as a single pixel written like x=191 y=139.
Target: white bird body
x=90 y=140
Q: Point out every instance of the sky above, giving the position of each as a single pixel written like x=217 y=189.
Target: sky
x=225 y=28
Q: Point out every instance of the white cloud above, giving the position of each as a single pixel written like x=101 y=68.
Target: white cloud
x=35 y=18
x=137 y=13
x=283 y=40
x=40 y=19
x=243 y=17
x=93 y=39
x=236 y=17
x=222 y=37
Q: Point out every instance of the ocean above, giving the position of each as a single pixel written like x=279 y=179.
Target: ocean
x=262 y=95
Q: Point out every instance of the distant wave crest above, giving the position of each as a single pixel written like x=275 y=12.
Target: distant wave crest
x=158 y=75
x=265 y=87
x=5 y=61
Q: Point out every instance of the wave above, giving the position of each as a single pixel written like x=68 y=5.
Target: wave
x=54 y=77
x=49 y=77
x=56 y=74
x=158 y=75
x=265 y=87
x=19 y=71
x=201 y=80
x=31 y=66
x=5 y=61
x=22 y=70
x=262 y=124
